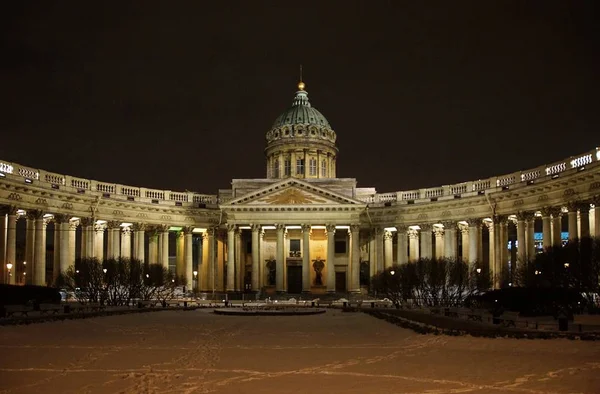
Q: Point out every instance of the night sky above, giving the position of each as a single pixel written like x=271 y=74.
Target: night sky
x=179 y=95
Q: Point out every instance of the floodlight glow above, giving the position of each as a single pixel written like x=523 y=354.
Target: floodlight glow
x=318 y=227
x=126 y=224
x=101 y=221
x=197 y=230
x=268 y=227
x=175 y=228
x=414 y=227
x=390 y=229
x=293 y=227
x=344 y=227
x=48 y=215
x=245 y=228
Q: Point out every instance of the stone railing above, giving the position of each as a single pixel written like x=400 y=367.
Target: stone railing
x=489 y=185
x=154 y=196
x=54 y=181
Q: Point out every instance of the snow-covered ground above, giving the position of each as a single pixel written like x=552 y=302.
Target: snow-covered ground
x=199 y=352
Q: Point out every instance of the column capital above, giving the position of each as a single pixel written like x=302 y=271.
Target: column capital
x=280 y=227
x=112 y=224
x=387 y=235
x=188 y=230
x=126 y=230
x=211 y=231
x=547 y=211
x=401 y=228
x=99 y=227
x=305 y=228
x=73 y=224
x=438 y=232
x=413 y=234
x=474 y=222
x=354 y=228
x=500 y=219
x=60 y=218
x=525 y=216
x=489 y=225
x=86 y=222
x=163 y=228
x=231 y=227
x=139 y=226
x=584 y=207
x=463 y=228
x=573 y=206
x=427 y=227
x=35 y=214
x=449 y=224
x=255 y=227
x=330 y=228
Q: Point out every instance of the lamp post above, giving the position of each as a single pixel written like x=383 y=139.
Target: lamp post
x=195 y=284
x=9 y=267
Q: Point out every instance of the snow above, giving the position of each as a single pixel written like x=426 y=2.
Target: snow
x=199 y=352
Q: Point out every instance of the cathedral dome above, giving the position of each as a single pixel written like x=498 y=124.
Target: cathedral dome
x=301 y=112
x=301 y=142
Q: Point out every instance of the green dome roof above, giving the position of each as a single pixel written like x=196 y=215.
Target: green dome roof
x=301 y=113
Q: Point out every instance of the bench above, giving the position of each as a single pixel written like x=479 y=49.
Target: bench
x=12 y=310
x=46 y=309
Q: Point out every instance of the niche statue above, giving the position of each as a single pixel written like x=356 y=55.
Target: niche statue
x=318 y=266
x=271 y=271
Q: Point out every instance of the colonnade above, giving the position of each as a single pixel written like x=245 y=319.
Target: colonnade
x=437 y=240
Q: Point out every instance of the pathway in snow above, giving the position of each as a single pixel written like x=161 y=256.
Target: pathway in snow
x=199 y=352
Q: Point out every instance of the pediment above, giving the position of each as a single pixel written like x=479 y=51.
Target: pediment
x=293 y=192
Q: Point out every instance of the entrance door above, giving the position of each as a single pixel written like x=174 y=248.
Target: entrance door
x=294 y=279
x=340 y=282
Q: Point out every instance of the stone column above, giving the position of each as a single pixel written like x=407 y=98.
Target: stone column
x=530 y=236
x=402 y=251
x=379 y=249
x=11 y=242
x=464 y=233
x=29 y=248
x=179 y=254
x=60 y=253
x=355 y=251
x=64 y=246
x=502 y=248
x=189 y=261
x=388 y=249
x=330 y=258
x=597 y=216
x=99 y=241
x=256 y=257
x=139 y=236
x=426 y=247
x=584 y=216
x=152 y=246
x=3 y=231
x=231 y=257
x=556 y=226
x=474 y=240
x=113 y=250
x=450 y=240
x=521 y=243
x=89 y=240
x=212 y=257
x=72 y=236
x=413 y=236
x=240 y=267
x=164 y=258
x=280 y=258
x=126 y=242
x=546 y=227
x=438 y=232
x=572 y=216
x=39 y=271
x=491 y=252
x=305 y=258
x=58 y=219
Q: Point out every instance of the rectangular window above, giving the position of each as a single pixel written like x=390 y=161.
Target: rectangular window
x=275 y=171
x=288 y=167
x=313 y=167
x=324 y=168
x=300 y=166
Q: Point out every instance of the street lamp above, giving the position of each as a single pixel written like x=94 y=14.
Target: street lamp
x=566 y=265
x=393 y=272
x=104 y=270
x=9 y=267
x=478 y=270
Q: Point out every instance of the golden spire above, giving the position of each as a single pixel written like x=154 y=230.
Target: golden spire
x=301 y=84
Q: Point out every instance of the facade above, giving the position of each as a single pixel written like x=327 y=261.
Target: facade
x=298 y=230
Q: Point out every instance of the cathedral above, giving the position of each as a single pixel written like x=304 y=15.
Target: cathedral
x=300 y=229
